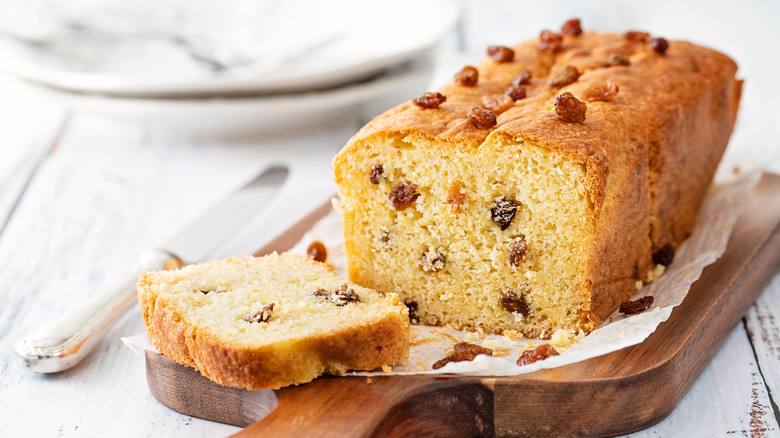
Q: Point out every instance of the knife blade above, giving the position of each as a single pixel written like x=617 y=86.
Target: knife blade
x=61 y=344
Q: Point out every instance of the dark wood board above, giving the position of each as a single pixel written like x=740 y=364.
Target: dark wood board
x=617 y=393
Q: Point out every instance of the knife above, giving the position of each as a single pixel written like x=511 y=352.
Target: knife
x=61 y=344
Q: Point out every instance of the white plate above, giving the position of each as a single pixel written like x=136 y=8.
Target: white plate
x=378 y=35
x=256 y=115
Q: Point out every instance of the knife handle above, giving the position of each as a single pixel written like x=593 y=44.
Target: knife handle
x=62 y=343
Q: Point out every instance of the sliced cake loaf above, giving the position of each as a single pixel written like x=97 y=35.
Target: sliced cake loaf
x=537 y=189
x=270 y=322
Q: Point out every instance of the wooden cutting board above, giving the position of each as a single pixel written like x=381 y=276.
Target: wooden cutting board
x=613 y=394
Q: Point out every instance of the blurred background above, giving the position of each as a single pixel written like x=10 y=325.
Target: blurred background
x=231 y=68
x=121 y=120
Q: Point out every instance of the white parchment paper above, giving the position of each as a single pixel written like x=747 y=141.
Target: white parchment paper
x=719 y=212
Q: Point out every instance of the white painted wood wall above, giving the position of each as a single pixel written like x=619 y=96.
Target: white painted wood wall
x=81 y=195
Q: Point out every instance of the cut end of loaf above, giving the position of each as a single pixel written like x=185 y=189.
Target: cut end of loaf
x=493 y=238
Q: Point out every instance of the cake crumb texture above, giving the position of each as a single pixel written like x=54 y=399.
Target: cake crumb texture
x=271 y=321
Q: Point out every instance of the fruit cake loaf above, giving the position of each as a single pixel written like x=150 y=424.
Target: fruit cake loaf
x=270 y=322
x=535 y=190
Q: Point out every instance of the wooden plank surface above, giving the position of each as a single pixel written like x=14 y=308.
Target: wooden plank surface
x=107 y=395
x=106 y=193
x=763 y=330
x=618 y=393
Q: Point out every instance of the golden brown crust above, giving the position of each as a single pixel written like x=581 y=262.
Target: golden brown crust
x=649 y=153
x=355 y=348
x=290 y=361
x=652 y=85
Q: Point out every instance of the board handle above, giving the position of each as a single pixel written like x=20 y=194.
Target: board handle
x=380 y=406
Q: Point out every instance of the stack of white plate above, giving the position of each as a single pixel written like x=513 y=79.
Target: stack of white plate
x=232 y=67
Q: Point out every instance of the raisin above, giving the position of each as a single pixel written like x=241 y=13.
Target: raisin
x=514 y=303
x=413 y=307
x=516 y=91
x=340 y=297
x=219 y=289
x=618 y=59
x=429 y=100
x=456 y=196
x=471 y=351
x=481 y=118
x=463 y=351
x=603 y=92
x=498 y=103
x=503 y=212
x=517 y=252
x=550 y=41
x=501 y=53
x=572 y=27
x=636 y=306
x=262 y=315
x=317 y=251
x=637 y=36
x=385 y=237
x=377 y=173
x=541 y=352
x=565 y=77
x=523 y=78
x=467 y=77
x=174 y=263
x=347 y=295
x=441 y=362
x=403 y=195
x=433 y=261
x=659 y=45
x=569 y=108
x=664 y=256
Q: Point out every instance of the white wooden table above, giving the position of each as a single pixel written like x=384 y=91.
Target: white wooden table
x=82 y=195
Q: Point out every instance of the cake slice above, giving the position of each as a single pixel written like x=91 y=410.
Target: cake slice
x=537 y=189
x=270 y=322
